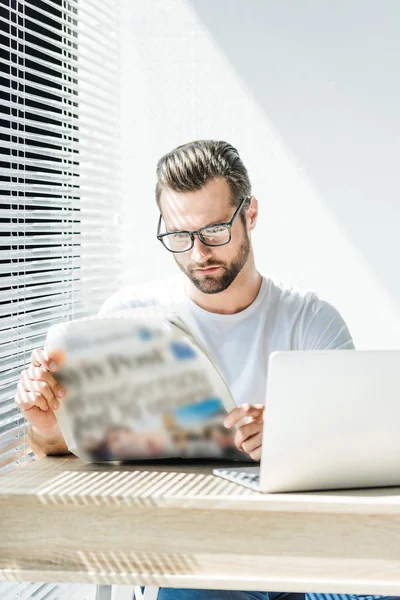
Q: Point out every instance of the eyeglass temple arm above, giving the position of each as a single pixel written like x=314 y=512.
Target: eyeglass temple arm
x=239 y=208
x=159 y=224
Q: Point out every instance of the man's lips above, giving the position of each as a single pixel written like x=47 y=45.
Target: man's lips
x=208 y=269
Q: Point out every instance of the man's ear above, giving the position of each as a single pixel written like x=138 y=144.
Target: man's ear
x=252 y=213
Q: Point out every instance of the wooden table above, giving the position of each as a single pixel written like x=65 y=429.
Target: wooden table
x=64 y=520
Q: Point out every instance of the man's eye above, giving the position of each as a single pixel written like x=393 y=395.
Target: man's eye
x=180 y=237
x=214 y=231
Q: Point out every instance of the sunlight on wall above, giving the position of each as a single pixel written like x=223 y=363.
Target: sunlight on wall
x=179 y=86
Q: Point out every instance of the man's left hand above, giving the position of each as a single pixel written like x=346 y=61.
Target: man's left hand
x=248 y=437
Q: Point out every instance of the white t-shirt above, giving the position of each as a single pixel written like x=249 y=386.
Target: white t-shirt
x=240 y=344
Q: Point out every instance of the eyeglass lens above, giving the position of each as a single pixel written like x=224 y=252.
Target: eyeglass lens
x=214 y=236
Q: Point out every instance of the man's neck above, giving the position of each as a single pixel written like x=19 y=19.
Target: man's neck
x=238 y=296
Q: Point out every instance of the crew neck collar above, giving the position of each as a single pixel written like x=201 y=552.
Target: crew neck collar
x=224 y=318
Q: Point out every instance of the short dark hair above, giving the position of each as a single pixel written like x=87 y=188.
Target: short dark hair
x=191 y=166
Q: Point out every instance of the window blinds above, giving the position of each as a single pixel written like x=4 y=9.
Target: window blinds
x=60 y=190
x=59 y=194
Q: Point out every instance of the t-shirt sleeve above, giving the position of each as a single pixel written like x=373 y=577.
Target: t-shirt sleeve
x=120 y=300
x=323 y=328
x=152 y=294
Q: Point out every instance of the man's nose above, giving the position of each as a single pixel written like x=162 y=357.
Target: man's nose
x=200 y=252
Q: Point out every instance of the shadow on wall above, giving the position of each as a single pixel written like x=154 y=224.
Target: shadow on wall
x=327 y=76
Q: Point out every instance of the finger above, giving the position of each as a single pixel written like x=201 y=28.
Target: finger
x=42 y=374
x=40 y=357
x=38 y=374
x=26 y=400
x=252 y=443
x=242 y=411
x=256 y=453
x=244 y=432
x=40 y=380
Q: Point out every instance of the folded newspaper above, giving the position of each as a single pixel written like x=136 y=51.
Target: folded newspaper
x=139 y=386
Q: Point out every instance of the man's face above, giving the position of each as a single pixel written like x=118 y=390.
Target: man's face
x=210 y=269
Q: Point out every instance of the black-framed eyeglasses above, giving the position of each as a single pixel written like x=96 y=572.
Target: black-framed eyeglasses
x=218 y=234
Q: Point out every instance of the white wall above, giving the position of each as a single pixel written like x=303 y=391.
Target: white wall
x=308 y=91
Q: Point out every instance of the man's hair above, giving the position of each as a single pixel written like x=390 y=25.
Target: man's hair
x=190 y=167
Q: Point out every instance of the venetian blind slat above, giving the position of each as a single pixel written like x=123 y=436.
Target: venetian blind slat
x=59 y=195
x=60 y=192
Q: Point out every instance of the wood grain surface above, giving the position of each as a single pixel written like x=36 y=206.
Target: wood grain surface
x=178 y=525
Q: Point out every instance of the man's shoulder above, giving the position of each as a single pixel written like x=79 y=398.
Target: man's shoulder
x=166 y=292
x=299 y=305
x=292 y=299
x=314 y=322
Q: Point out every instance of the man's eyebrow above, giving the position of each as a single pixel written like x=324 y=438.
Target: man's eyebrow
x=172 y=229
x=203 y=227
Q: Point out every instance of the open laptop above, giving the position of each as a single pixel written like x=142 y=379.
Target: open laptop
x=332 y=421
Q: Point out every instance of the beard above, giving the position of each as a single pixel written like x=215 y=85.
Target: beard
x=214 y=284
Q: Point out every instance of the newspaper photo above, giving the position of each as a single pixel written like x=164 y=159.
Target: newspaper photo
x=139 y=386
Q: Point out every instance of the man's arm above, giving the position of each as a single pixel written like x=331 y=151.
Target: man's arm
x=321 y=327
x=47 y=445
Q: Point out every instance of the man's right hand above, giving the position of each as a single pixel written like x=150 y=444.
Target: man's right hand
x=38 y=393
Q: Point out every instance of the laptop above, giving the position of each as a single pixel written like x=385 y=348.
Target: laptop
x=332 y=421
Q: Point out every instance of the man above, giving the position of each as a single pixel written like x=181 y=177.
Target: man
x=207 y=214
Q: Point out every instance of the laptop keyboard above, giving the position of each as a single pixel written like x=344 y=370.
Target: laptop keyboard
x=248 y=477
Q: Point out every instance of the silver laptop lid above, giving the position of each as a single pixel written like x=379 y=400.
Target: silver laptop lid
x=332 y=420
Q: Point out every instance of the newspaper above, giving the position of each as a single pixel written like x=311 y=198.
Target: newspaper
x=139 y=386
